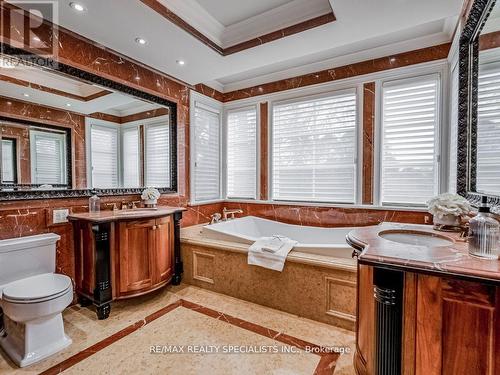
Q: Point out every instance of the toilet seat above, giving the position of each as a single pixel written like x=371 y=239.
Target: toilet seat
x=37 y=288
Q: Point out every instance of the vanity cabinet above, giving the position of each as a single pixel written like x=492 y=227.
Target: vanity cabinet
x=145 y=254
x=448 y=326
x=125 y=254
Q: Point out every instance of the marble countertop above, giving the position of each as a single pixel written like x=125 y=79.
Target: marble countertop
x=453 y=260
x=132 y=214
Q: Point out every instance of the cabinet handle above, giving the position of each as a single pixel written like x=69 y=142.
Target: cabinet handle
x=154 y=227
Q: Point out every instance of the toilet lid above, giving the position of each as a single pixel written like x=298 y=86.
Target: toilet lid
x=37 y=287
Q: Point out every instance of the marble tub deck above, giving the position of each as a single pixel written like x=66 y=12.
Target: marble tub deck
x=187 y=315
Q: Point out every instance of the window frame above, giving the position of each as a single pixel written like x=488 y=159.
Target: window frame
x=217 y=107
x=258 y=150
x=61 y=136
x=15 y=164
x=357 y=144
x=441 y=134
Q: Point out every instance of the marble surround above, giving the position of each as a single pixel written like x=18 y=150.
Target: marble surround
x=317 y=287
x=167 y=316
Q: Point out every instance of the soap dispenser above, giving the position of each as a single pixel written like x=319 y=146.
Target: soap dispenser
x=94 y=203
x=484 y=233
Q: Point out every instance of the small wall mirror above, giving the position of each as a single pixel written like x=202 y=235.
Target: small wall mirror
x=62 y=132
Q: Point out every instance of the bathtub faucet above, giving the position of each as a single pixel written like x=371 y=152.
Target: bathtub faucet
x=226 y=213
x=215 y=218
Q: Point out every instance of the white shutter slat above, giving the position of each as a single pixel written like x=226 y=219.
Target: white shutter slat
x=104 y=156
x=242 y=153
x=8 y=161
x=409 y=127
x=206 y=129
x=488 y=130
x=131 y=157
x=157 y=155
x=48 y=155
x=314 y=149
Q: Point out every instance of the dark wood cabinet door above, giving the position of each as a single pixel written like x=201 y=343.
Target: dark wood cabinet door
x=137 y=240
x=163 y=252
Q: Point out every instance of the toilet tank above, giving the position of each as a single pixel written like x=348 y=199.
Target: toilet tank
x=27 y=256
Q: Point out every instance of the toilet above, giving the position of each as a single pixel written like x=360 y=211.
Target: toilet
x=32 y=298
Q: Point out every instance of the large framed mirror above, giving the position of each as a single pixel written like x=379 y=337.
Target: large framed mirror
x=65 y=132
x=478 y=156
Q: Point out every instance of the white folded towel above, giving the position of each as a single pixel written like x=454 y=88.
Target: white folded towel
x=270 y=252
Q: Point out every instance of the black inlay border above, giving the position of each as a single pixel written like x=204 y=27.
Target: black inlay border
x=33 y=59
x=467 y=103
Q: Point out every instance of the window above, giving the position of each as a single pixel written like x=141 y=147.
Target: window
x=131 y=157
x=488 y=130
x=314 y=149
x=242 y=153
x=9 y=161
x=453 y=147
x=410 y=120
x=157 y=155
x=104 y=156
x=206 y=153
x=48 y=157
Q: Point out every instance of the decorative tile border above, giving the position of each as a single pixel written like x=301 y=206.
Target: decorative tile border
x=326 y=365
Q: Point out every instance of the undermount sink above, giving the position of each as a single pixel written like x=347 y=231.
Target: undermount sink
x=416 y=238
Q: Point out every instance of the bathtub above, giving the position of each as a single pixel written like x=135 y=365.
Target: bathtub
x=311 y=240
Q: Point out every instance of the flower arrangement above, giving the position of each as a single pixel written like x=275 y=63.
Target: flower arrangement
x=447 y=204
x=150 y=194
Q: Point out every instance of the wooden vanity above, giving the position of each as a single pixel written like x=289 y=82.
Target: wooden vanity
x=424 y=311
x=123 y=254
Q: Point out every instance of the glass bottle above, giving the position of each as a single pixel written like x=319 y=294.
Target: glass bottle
x=94 y=203
x=484 y=233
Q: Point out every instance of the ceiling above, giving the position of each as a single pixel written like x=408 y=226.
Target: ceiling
x=227 y=14
x=364 y=29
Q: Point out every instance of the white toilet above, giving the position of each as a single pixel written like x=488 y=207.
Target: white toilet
x=32 y=298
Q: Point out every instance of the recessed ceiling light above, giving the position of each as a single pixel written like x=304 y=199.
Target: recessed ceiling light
x=140 y=41
x=68 y=104
x=78 y=7
x=26 y=95
x=181 y=62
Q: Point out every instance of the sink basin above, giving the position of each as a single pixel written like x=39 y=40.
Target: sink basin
x=135 y=211
x=418 y=238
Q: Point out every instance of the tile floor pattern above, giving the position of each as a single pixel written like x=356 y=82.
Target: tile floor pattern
x=186 y=315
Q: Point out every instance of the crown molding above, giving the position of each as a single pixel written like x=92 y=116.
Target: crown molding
x=271 y=25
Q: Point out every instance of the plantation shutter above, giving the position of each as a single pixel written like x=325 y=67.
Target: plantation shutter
x=488 y=130
x=242 y=153
x=157 y=155
x=206 y=153
x=131 y=157
x=409 y=126
x=8 y=161
x=104 y=156
x=314 y=149
x=48 y=152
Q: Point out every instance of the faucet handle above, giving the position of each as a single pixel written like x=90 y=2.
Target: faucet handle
x=135 y=203
x=115 y=207
x=215 y=218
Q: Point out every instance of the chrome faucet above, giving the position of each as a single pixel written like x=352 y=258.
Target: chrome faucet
x=226 y=213
x=114 y=205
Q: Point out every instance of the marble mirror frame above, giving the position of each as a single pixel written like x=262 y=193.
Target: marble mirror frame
x=105 y=83
x=467 y=102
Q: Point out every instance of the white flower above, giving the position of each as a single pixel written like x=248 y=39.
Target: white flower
x=150 y=194
x=448 y=204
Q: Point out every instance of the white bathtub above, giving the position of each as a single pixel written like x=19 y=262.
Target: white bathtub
x=312 y=240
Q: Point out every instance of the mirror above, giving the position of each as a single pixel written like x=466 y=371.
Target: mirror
x=488 y=107
x=60 y=132
x=478 y=141
x=34 y=156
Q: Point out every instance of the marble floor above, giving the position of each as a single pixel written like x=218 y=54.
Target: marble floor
x=188 y=330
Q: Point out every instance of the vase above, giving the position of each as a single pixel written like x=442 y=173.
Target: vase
x=446 y=221
x=150 y=203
